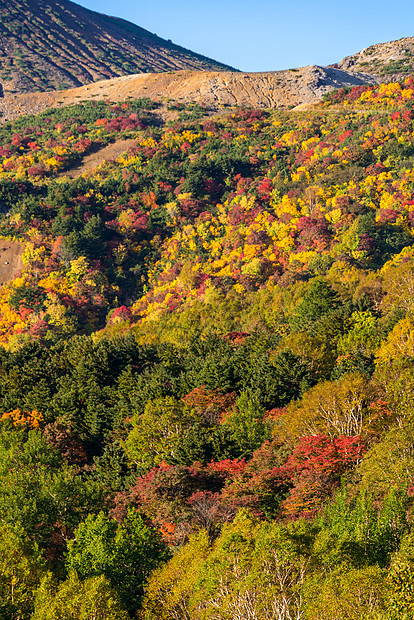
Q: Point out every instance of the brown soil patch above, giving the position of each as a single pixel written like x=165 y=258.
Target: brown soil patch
x=10 y=260
x=95 y=159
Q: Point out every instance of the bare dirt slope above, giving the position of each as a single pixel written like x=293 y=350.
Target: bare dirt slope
x=10 y=259
x=264 y=90
x=93 y=160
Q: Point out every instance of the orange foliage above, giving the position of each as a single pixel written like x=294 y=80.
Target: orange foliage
x=32 y=419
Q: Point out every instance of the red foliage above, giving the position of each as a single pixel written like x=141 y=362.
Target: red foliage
x=345 y=135
x=319 y=452
x=265 y=187
x=37 y=170
x=315 y=468
x=228 y=468
x=242 y=184
x=236 y=338
x=82 y=145
x=120 y=314
x=191 y=208
x=313 y=233
x=39 y=328
x=387 y=215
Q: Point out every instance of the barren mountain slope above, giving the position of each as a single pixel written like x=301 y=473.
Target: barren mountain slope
x=55 y=44
x=388 y=61
x=263 y=90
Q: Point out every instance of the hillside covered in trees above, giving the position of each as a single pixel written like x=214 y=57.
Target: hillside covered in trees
x=207 y=362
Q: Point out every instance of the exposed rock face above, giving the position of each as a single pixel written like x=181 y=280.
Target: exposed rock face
x=56 y=44
x=388 y=61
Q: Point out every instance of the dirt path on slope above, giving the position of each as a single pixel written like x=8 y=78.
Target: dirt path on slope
x=95 y=159
x=10 y=259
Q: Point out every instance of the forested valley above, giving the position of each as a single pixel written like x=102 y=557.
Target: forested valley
x=207 y=362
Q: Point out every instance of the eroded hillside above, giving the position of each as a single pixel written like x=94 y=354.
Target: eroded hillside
x=276 y=89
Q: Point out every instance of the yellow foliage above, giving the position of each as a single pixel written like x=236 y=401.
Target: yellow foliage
x=78 y=268
x=399 y=344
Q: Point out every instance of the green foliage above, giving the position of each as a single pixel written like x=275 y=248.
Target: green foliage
x=40 y=494
x=345 y=593
x=357 y=533
x=21 y=569
x=170 y=587
x=90 y=599
x=319 y=300
x=389 y=461
x=246 y=425
x=125 y=553
x=156 y=434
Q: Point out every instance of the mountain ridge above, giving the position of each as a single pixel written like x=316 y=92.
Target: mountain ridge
x=61 y=47
x=389 y=61
x=56 y=44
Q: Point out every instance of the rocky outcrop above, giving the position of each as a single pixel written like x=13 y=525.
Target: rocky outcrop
x=387 y=61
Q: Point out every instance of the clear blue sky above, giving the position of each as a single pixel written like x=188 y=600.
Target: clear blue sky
x=262 y=35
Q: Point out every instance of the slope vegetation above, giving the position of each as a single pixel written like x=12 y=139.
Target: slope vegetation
x=207 y=361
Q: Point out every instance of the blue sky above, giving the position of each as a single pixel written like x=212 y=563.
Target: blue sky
x=265 y=35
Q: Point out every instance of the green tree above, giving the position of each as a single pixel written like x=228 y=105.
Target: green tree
x=247 y=425
x=21 y=569
x=349 y=594
x=90 y=599
x=319 y=300
x=39 y=493
x=170 y=587
x=389 y=462
x=356 y=532
x=126 y=553
x=401 y=581
x=156 y=434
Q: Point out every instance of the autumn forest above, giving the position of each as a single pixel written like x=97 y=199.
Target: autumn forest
x=207 y=361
